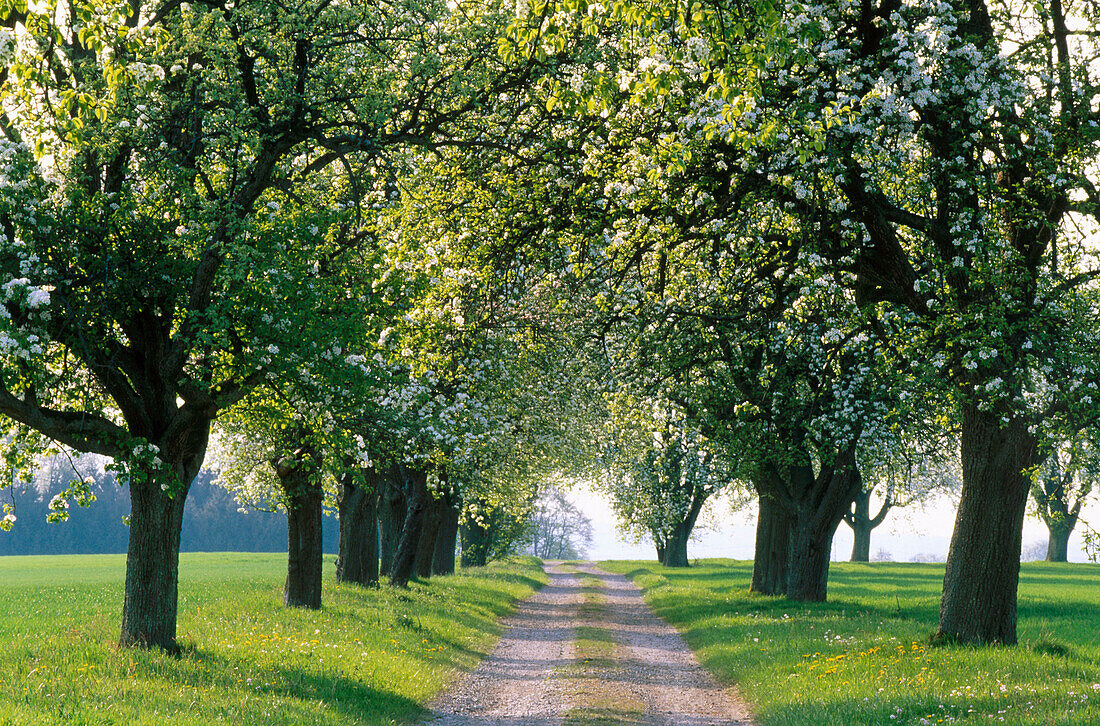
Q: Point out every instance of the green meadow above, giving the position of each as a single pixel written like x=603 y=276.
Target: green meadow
x=864 y=656
x=370 y=656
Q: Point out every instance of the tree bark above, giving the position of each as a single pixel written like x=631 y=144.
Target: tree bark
x=676 y=547
x=1052 y=499
x=357 y=561
x=304 y=497
x=476 y=543
x=862 y=523
x=416 y=497
x=425 y=546
x=859 y=519
x=811 y=541
x=820 y=505
x=150 y=600
x=770 y=566
x=1058 y=543
x=983 y=562
x=390 y=521
x=149 y=605
x=672 y=545
x=861 y=541
x=443 y=560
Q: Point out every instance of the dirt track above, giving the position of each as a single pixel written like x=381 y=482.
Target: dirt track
x=534 y=677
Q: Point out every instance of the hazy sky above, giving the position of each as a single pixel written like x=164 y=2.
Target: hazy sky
x=907 y=532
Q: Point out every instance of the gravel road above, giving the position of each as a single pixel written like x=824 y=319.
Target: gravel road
x=531 y=678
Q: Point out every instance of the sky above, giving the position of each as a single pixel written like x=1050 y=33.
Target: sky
x=907 y=532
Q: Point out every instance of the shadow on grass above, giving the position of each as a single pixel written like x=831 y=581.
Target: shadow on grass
x=351 y=698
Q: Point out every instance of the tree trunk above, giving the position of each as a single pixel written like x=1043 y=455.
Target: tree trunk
x=821 y=503
x=302 y=489
x=357 y=561
x=862 y=523
x=808 y=578
x=672 y=548
x=676 y=546
x=443 y=561
x=1052 y=499
x=983 y=563
x=861 y=541
x=859 y=519
x=404 y=558
x=152 y=566
x=476 y=542
x=425 y=547
x=773 y=547
x=1058 y=543
x=391 y=519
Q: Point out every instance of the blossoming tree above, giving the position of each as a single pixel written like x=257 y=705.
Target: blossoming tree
x=950 y=146
x=660 y=472
x=149 y=154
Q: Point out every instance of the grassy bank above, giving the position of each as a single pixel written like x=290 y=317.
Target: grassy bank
x=864 y=658
x=368 y=657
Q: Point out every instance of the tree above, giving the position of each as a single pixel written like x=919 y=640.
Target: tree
x=278 y=463
x=660 y=471
x=900 y=476
x=499 y=400
x=147 y=258
x=359 y=502
x=492 y=531
x=1060 y=489
x=557 y=529
x=708 y=289
x=963 y=250
x=946 y=152
x=861 y=521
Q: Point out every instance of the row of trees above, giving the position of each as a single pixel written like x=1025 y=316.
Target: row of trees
x=212 y=521
x=415 y=259
x=852 y=232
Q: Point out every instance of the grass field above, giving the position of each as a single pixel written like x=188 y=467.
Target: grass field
x=864 y=658
x=368 y=657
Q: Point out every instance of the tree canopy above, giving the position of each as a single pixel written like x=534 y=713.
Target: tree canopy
x=434 y=240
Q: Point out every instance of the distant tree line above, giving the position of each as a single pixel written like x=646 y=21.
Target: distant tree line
x=212 y=522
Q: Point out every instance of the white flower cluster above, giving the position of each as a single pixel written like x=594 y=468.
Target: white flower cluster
x=7 y=45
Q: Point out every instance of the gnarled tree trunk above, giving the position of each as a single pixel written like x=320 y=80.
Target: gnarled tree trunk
x=676 y=548
x=811 y=542
x=391 y=518
x=861 y=541
x=443 y=560
x=819 y=504
x=425 y=548
x=303 y=497
x=862 y=523
x=149 y=607
x=417 y=502
x=1051 y=491
x=1058 y=543
x=773 y=547
x=152 y=567
x=983 y=563
x=675 y=543
x=357 y=561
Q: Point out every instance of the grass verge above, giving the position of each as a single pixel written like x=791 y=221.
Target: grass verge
x=370 y=656
x=864 y=657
